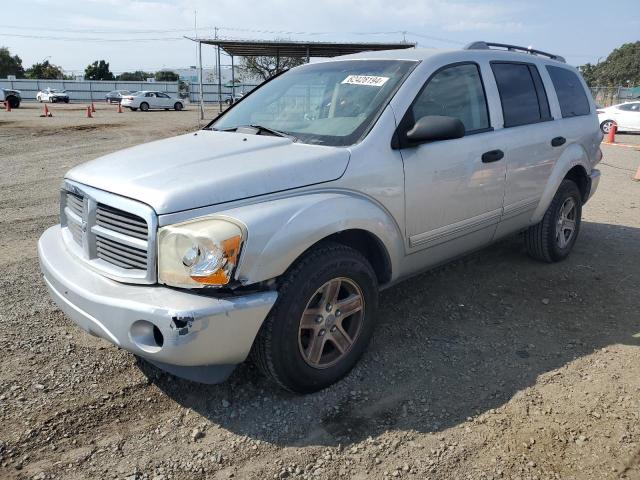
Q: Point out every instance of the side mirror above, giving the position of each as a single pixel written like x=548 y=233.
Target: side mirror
x=435 y=127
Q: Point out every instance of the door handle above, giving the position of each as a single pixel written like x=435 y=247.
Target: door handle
x=556 y=142
x=492 y=156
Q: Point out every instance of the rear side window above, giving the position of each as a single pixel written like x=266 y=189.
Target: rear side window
x=522 y=94
x=455 y=91
x=573 y=101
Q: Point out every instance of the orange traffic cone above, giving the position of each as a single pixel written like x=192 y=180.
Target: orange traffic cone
x=46 y=112
x=637 y=177
x=7 y=106
x=611 y=138
x=119 y=108
x=89 y=112
x=93 y=107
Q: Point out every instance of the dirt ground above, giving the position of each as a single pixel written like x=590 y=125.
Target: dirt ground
x=495 y=366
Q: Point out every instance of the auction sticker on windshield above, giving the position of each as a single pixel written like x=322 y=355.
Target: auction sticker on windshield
x=370 y=80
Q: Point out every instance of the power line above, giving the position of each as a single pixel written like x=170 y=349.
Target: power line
x=90 y=39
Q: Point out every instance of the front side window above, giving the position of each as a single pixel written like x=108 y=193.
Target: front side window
x=455 y=91
x=328 y=103
x=522 y=94
x=571 y=96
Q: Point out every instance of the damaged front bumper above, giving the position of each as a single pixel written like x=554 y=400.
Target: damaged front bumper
x=193 y=336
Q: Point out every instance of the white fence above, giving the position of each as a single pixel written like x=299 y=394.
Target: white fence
x=94 y=90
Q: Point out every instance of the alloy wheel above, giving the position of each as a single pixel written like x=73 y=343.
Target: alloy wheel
x=331 y=323
x=566 y=223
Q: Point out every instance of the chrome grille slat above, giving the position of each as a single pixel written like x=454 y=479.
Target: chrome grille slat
x=75 y=203
x=122 y=222
x=116 y=260
x=117 y=242
x=113 y=217
x=76 y=232
x=105 y=247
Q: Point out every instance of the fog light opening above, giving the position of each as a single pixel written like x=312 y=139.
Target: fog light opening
x=157 y=336
x=146 y=336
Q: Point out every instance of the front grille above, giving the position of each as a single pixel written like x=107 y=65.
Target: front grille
x=116 y=241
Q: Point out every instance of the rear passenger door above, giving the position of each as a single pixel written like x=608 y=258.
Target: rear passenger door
x=527 y=136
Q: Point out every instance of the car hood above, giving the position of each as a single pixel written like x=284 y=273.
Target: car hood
x=208 y=167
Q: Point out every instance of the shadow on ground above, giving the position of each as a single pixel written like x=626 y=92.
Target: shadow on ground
x=450 y=344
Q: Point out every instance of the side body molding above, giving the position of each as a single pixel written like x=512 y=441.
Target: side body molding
x=572 y=156
x=279 y=231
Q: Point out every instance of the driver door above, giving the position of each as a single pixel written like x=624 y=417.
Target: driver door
x=454 y=189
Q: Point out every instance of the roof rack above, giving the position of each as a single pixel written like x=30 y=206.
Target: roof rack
x=512 y=48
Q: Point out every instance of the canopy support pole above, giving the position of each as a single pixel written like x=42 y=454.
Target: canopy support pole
x=200 y=80
x=219 y=82
x=233 y=81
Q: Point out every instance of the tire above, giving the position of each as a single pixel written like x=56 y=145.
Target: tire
x=178 y=106
x=144 y=106
x=66 y=100
x=133 y=109
x=14 y=102
x=53 y=100
x=166 y=109
x=605 y=127
x=550 y=241
x=283 y=348
x=39 y=99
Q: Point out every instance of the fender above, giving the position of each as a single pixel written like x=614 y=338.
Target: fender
x=281 y=230
x=572 y=156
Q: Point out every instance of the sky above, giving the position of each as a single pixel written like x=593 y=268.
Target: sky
x=148 y=34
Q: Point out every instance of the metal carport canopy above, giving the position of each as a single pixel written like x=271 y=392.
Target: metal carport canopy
x=285 y=48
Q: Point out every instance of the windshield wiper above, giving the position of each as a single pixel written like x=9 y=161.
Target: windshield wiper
x=271 y=131
x=277 y=133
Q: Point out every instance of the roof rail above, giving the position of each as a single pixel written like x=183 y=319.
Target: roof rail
x=512 y=48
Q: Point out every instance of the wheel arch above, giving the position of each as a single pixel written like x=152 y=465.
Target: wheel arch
x=281 y=231
x=573 y=164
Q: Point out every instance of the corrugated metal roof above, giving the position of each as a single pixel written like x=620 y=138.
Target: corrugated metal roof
x=267 y=48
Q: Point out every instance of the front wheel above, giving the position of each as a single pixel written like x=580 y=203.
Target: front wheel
x=322 y=321
x=552 y=239
x=177 y=107
x=144 y=106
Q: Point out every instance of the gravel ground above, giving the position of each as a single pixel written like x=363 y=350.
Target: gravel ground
x=492 y=367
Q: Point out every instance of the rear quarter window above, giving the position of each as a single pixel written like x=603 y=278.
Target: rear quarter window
x=571 y=95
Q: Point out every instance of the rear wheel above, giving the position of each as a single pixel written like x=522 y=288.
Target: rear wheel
x=322 y=321
x=606 y=126
x=144 y=106
x=133 y=109
x=552 y=239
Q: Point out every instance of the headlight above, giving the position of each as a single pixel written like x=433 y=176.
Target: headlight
x=199 y=253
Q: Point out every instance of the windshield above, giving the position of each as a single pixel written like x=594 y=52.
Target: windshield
x=330 y=103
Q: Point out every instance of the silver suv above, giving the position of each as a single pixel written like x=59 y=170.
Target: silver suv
x=270 y=231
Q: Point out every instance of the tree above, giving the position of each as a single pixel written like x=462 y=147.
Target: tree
x=167 y=76
x=621 y=68
x=10 y=65
x=267 y=67
x=137 y=76
x=98 y=70
x=45 y=71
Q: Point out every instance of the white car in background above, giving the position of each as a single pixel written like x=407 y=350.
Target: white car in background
x=625 y=115
x=52 y=95
x=147 y=100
